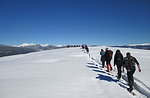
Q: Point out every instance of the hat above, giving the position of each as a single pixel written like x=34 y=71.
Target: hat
x=128 y=54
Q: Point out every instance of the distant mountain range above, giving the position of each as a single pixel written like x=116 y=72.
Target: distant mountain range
x=145 y=46
x=39 y=47
x=6 y=50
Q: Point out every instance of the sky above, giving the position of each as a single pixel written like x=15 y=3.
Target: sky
x=92 y=22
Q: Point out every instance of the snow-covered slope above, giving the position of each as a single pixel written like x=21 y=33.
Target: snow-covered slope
x=64 y=73
x=142 y=80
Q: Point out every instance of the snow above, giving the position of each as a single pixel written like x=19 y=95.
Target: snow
x=44 y=45
x=68 y=72
x=33 y=44
x=144 y=44
x=26 y=44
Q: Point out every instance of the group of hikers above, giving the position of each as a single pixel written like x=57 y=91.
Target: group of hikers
x=121 y=62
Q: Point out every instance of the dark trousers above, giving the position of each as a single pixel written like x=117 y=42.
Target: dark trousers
x=108 y=66
x=119 y=71
x=103 y=63
x=131 y=78
x=102 y=59
x=108 y=61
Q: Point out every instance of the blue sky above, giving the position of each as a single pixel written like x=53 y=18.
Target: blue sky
x=93 y=22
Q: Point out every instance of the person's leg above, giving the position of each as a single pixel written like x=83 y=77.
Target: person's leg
x=107 y=65
x=129 y=78
x=119 y=71
x=132 y=79
x=110 y=65
x=103 y=61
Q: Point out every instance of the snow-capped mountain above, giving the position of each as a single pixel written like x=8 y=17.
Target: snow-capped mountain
x=6 y=50
x=38 y=47
x=26 y=45
x=145 y=46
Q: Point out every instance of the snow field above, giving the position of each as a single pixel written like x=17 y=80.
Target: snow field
x=60 y=73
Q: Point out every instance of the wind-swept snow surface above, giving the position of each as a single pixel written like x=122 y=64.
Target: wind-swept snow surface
x=65 y=73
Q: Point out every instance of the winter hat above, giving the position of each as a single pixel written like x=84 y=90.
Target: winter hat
x=128 y=54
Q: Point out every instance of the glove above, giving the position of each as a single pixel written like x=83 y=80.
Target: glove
x=139 y=70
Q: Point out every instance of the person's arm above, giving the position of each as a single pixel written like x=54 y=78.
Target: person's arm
x=139 y=68
x=122 y=63
x=138 y=65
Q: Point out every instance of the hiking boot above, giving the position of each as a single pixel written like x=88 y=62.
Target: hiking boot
x=130 y=89
x=118 y=78
x=107 y=70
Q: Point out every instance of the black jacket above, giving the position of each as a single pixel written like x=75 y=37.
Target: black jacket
x=118 y=59
x=129 y=62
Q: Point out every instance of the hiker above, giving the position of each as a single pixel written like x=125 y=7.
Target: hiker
x=82 y=46
x=108 y=57
x=118 y=60
x=86 y=48
x=102 y=53
x=129 y=63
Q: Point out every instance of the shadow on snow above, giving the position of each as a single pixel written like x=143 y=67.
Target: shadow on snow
x=106 y=78
x=105 y=75
x=145 y=90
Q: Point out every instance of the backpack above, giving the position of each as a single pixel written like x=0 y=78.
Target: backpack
x=129 y=62
x=109 y=53
x=102 y=53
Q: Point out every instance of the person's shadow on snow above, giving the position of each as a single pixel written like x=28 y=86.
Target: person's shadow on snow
x=110 y=79
x=106 y=78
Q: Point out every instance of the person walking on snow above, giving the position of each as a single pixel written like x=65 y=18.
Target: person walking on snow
x=118 y=60
x=108 y=57
x=102 y=53
x=129 y=63
x=86 y=48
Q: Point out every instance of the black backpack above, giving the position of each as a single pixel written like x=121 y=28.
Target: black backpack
x=129 y=62
x=109 y=53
